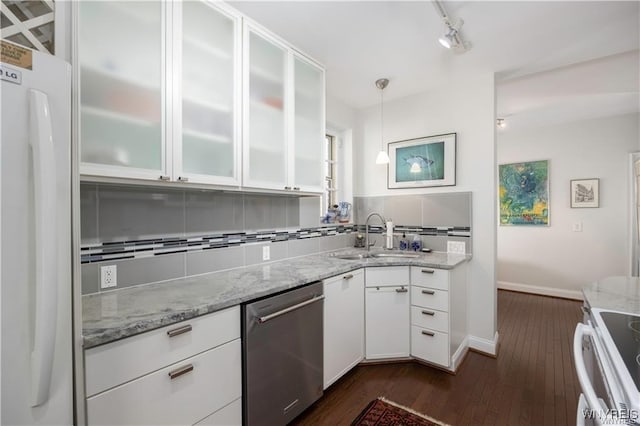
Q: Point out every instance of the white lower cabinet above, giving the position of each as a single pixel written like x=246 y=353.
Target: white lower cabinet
x=387 y=313
x=200 y=380
x=343 y=324
x=438 y=315
x=229 y=415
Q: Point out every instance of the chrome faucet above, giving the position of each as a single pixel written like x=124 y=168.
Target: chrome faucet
x=366 y=228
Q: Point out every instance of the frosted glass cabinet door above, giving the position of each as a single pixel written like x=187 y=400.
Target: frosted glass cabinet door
x=309 y=125
x=266 y=146
x=120 y=50
x=206 y=139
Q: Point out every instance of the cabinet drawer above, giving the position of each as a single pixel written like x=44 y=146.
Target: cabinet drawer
x=430 y=318
x=430 y=277
x=118 y=362
x=157 y=399
x=430 y=345
x=387 y=276
x=231 y=415
x=430 y=298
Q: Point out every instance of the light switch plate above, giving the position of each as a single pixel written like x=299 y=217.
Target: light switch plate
x=577 y=227
x=266 y=253
x=458 y=247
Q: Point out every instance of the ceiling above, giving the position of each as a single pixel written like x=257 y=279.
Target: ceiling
x=361 y=41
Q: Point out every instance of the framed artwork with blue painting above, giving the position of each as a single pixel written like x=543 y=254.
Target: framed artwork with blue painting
x=423 y=162
x=524 y=193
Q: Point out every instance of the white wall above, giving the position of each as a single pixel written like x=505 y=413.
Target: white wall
x=555 y=260
x=466 y=107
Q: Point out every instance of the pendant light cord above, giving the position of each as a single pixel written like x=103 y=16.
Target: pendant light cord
x=382 y=119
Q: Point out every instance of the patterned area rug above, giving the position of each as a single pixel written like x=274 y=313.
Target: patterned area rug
x=382 y=412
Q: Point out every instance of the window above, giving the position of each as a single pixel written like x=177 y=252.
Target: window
x=330 y=171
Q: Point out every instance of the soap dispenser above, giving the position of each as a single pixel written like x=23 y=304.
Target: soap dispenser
x=416 y=244
x=404 y=242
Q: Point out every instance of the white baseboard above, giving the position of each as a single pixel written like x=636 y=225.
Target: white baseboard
x=544 y=291
x=458 y=356
x=484 y=345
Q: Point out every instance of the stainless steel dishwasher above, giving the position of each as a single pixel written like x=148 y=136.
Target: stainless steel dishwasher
x=282 y=355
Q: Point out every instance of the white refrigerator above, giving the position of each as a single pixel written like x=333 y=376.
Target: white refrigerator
x=36 y=258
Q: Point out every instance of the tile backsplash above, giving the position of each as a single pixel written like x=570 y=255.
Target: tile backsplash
x=436 y=218
x=156 y=234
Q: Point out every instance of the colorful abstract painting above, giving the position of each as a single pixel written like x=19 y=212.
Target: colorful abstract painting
x=524 y=193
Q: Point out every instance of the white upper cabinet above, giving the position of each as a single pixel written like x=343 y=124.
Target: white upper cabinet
x=183 y=91
x=206 y=77
x=266 y=106
x=283 y=116
x=121 y=52
x=309 y=128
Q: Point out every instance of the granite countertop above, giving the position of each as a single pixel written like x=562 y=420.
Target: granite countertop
x=615 y=293
x=113 y=315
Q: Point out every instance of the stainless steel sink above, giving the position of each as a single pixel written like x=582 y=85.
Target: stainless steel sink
x=351 y=256
x=360 y=256
x=400 y=255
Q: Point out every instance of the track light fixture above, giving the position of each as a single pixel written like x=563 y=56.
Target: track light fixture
x=451 y=39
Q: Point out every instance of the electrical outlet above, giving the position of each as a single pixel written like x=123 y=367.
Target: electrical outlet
x=458 y=247
x=266 y=253
x=108 y=276
x=577 y=227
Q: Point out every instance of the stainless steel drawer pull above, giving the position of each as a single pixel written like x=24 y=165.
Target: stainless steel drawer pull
x=163 y=177
x=401 y=290
x=288 y=188
x=430 y=292
x=180 y=371
x=180 y=330
x=296 y=188
x=183 y=179
x=428 y=271
x=428 y=333
x=347 y=277
x=266 y=318
x=430 y=313
x=290 y=406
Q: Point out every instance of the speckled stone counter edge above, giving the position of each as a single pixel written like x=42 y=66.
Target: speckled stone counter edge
x=114 y=315
x=614 y=293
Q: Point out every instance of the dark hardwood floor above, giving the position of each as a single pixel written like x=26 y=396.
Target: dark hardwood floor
x=532 y=382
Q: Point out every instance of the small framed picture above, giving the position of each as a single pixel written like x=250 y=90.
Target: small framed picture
x=585 y=193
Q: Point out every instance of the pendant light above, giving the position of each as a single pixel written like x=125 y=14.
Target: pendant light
x=383 y=157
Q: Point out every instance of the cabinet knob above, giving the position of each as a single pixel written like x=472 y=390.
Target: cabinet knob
x=164 y=178
x=430 y=292
x=183 y=179
x=401 y=290
x=288 y=188
x=428 y=333
x=296 y=188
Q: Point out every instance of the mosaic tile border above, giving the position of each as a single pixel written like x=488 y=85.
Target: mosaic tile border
x=136 y=249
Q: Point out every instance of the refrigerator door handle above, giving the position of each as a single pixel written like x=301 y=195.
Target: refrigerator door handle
x=46 y=288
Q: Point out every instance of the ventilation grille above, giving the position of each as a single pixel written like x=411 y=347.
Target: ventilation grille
x=28 y=23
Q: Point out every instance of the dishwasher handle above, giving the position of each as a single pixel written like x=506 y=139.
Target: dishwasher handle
x=269 y=317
